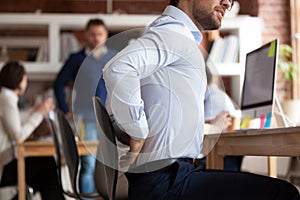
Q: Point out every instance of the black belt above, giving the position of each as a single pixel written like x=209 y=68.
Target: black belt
x=164 y=164
x=194 y=161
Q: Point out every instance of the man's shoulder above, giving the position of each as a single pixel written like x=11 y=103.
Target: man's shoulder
x=166 y=22
x=169 y=28
x=78 y=53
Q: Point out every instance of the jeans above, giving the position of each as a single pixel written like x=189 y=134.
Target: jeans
x=86 y=175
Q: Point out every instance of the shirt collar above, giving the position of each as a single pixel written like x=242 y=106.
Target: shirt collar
x=98 y=52
x=9 y=93
x=178 y=14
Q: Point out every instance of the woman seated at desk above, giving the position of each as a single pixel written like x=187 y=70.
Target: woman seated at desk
x=40 y=172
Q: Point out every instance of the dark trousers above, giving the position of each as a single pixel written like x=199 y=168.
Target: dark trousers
x=183 y=180
x=231 y=163
x=41 y=175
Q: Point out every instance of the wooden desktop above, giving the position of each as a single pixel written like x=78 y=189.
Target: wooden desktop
x=255 y=142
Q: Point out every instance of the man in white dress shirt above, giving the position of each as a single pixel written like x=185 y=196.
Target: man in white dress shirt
x=156 y=88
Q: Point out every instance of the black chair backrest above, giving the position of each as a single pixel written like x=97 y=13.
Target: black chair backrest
x=106 y=171
x=66 y=150
x=58 y=153
x=69 y=148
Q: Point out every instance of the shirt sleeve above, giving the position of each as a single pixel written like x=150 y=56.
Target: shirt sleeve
x=122 y=77
x=12 y=123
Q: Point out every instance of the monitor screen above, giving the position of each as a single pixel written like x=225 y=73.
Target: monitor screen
x=258 y=92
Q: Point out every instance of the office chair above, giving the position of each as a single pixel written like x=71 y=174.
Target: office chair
x=67 y=152
x=106 y=171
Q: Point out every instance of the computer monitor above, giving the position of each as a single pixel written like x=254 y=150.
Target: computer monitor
x=258 y=94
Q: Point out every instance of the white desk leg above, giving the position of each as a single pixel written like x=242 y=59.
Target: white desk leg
x=272 y=166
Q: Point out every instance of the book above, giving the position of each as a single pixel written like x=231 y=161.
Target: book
x=224 y=50
x=231 y=49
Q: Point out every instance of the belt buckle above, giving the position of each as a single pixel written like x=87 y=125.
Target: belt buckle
x=194 y=161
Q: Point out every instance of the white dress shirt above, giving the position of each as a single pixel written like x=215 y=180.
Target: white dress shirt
x=156 y=88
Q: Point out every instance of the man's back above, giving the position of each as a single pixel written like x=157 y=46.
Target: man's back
x=172 y=85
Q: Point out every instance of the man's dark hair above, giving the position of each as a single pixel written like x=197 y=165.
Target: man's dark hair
x=174 y=2
x=11 y=75
x=95 y=22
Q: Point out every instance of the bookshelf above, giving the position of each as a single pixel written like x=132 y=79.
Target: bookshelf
x=248 y=31
x=42 y=31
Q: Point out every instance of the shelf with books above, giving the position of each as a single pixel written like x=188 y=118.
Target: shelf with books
x=40 y=35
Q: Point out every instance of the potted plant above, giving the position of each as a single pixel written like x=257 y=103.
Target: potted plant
x=289 y=71
x=287 y=66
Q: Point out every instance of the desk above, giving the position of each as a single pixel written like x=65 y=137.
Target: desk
x=43 y=148
x=259 y=142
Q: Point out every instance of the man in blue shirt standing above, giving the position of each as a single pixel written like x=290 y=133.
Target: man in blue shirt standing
x=156 y=88
x=85 y=68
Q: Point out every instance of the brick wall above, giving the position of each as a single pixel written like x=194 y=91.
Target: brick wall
x=249 y=7
x=84 y=6
x=141 y=6
x=275 y=14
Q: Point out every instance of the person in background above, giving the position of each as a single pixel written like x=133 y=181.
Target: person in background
x=218 y=111
x=41 y=172
x=156 y=88
x=84 y=67
x=216 y=101
x=96 y=33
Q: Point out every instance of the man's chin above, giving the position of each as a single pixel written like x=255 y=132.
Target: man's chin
x=213 y=27
x=216 y=23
